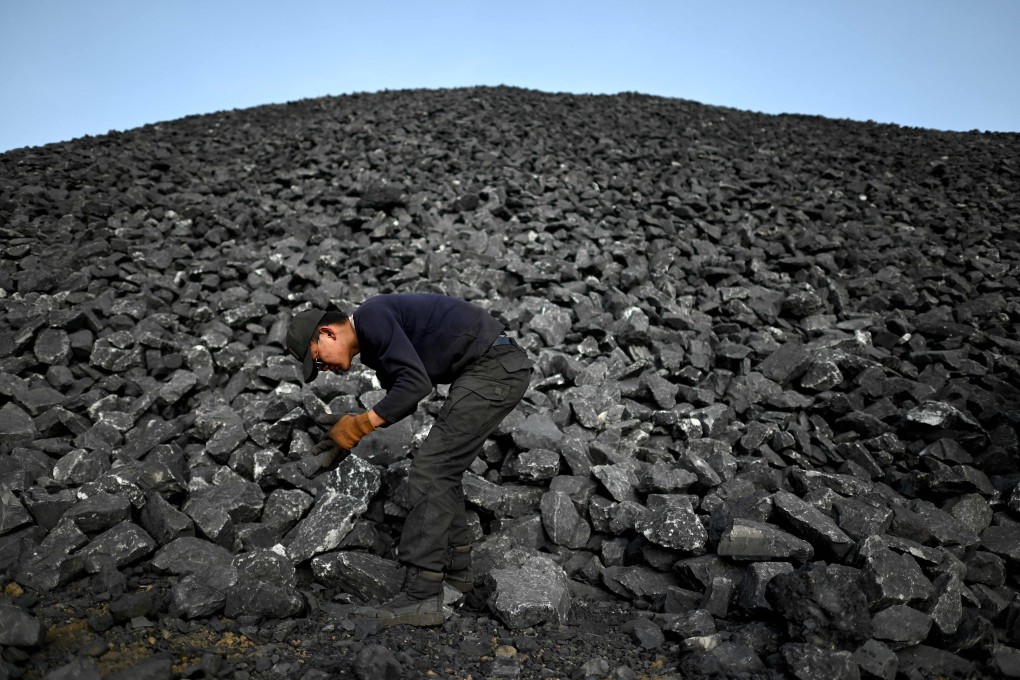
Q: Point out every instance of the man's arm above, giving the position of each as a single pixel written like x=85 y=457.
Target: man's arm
x=407 y=382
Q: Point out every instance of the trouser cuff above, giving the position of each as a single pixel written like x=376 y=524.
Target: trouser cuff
x=460 y=558
x=421 y=584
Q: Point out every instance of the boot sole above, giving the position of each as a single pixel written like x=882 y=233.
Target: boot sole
x=415 y=619
x=419 y=618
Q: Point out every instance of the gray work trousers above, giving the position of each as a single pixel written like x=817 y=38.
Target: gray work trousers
x=484 y=394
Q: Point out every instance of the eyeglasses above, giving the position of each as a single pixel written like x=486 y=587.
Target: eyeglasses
x=319 y=364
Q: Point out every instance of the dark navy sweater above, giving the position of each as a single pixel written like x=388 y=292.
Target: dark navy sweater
x=415 y=341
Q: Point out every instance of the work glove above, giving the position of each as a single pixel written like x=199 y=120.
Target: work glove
x=326 y=452
x=328 y=455
x=349 y=430
x=328 y=420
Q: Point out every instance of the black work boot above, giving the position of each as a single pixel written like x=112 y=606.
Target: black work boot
x=459 y=573
x=420 y=603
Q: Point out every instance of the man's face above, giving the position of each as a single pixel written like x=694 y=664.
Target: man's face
x=332 y=350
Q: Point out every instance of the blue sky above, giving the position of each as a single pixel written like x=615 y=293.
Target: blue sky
x=75 y=67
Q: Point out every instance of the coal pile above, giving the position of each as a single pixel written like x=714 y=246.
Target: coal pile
x=772 y=431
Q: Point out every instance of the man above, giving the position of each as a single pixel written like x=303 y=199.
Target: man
x=414 y=342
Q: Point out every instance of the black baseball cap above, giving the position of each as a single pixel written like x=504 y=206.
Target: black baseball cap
x=299 y=336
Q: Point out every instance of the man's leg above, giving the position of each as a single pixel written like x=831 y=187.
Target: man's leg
x=487 y=391
x=458 y=559
x=478 y=401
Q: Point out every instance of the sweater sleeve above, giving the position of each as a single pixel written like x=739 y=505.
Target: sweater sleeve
x=405 y=379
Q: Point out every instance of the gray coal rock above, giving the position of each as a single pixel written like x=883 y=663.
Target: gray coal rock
x=531 y=589
x=78 y=669
x=191 y=555
x=751 y=540
x=822 y=606
x=674 y=525
x=253 y=597
x=562 y=522
x=900 y=626
x=376 y=662
x=120 y=545
x=330 y=519
x=12 y=511
x=199 y=595
x=18 y=628
x=366 y=576
x=808 y=662
x=15 y=424
x=99 y=512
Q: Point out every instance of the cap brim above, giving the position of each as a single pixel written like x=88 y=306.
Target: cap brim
x=308 y=367
x=299 y=337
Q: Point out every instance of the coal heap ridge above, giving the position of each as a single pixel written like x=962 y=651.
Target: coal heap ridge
x=772 y=430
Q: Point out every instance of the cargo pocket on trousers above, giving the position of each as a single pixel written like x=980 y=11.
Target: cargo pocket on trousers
x=472 y=398
x=490 y=390
x=515 y=361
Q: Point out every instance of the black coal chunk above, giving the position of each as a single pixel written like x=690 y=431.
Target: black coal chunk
x=822 y=606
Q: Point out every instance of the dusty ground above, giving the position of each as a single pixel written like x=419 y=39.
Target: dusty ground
x=326 y=644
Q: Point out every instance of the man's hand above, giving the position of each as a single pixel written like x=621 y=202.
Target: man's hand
x=325 y=446
x=328 y=455
x=349 y=430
